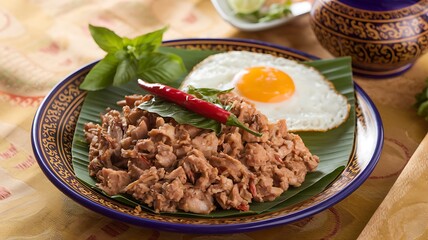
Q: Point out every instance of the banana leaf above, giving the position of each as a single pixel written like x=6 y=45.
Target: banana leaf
x=334 y=147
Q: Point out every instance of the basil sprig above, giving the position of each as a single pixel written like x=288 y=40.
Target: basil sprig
x=130 y=59
x=422 y=102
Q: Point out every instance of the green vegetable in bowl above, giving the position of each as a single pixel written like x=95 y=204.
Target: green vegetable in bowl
x=422 y=102
x=256 y=11
x=130 y=59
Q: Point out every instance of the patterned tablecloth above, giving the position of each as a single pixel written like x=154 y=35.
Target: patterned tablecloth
x=43 y=41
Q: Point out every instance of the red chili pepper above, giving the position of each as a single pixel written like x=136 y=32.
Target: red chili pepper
x=195 y=104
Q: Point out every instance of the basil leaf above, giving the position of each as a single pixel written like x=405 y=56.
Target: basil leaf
x=423 y=109
x=179 y=114
x=161 y=68
x=423 y=95
x=121 y=55
x=106 y=39
x=148 y=43
x=126 y=71
x=207 y=94
x=421 y=103
x=101 y=75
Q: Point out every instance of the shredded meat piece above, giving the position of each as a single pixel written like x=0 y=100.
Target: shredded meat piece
x=197 y=201
x=137 y=165
x=232 y=143
x=301 y=150
x=265 y=189
x=198 y=169
x=255 y=156
x=207 y=143
x=140 y=131
x=174 y=191
x=172 y=167
x=164 y=133
x=145 y=187
x=165 y=157
x=236 y=200
x=230 y=167
x=177 y=173
x=113 y=181
x=183 y=145
x=221 y=190
x=146 y=146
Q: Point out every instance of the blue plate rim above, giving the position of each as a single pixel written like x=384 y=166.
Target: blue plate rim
x=206 y=228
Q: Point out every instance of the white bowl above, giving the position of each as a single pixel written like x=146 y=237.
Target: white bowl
x=223 y=8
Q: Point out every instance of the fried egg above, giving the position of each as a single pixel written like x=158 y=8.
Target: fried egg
x=279 y=88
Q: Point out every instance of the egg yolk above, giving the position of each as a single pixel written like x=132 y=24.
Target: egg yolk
x=264 y=84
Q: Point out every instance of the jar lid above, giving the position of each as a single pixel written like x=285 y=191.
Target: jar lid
x=379 y=5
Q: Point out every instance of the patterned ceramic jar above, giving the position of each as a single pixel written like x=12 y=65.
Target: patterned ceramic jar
x=383 y=37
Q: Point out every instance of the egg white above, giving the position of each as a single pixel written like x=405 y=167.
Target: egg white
x=314 y=106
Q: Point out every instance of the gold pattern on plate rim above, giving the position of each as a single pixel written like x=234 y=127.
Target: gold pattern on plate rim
x=57 y=129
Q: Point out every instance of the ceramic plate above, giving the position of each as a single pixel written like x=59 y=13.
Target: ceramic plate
x=55 y=121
